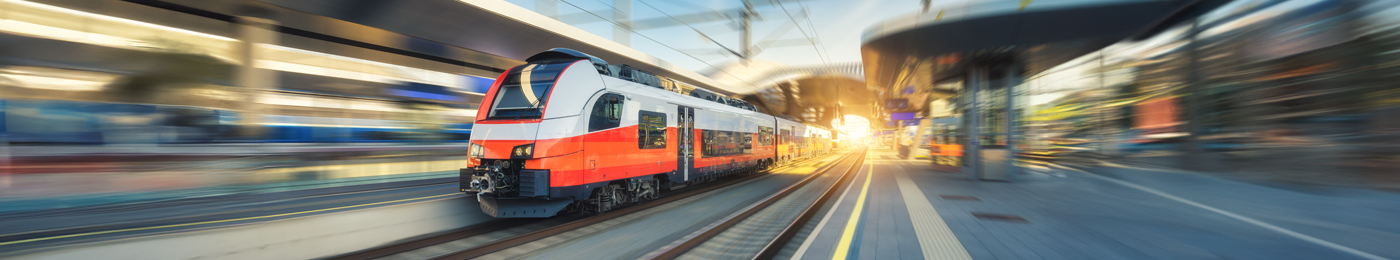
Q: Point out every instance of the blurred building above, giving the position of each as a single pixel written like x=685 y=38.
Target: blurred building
x=1293 y=89
x=213 y=71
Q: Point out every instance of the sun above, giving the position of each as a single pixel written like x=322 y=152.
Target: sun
x=856 y=126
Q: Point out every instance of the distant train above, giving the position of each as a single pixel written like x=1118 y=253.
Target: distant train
x=569 y=131
x=40 y=122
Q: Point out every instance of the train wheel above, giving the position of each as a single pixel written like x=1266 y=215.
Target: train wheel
x=603 y=199
x=651 y=189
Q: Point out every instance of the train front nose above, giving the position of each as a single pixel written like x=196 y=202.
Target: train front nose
x=479 y=179
x=496 y=167
x=503 y=178
x=506 y=189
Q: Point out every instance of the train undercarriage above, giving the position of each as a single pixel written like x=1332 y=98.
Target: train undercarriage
x=506 y=191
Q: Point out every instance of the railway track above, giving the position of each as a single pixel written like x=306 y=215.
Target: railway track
x=695 y=239
x=477 y=240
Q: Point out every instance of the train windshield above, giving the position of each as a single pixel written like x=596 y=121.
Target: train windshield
x=525 y=90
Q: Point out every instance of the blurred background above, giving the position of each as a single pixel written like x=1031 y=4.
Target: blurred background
x=100 y=98
x=108 y=101
x=1283 y=91
x=100 y=104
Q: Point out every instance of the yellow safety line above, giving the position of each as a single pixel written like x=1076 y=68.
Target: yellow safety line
x=844 y=246
x=211 y=222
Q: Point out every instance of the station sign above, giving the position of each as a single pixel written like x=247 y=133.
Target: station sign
x=902 y=116
x=415 y=90
x=896 y=104
x=477 y=85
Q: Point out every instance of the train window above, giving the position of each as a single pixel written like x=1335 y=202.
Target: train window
x=765 y=135
x=794 y=137
x=725 y=143
x=614 y=108
x=525 y=90
x=607 y=113
x=745 y=141
x=651 y=130
x=707 y=142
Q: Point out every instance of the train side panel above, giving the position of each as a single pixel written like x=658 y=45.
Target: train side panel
x=563 y=133
x=730 y=140
x=787 y=147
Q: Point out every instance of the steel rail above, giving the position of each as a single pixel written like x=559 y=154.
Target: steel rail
x=522 y=239
x=676 y=249
x=771 y=250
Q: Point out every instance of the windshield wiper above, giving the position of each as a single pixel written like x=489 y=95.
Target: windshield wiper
x=524 y=111
x=534 y=106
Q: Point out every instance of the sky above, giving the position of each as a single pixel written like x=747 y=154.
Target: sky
x=837 y=24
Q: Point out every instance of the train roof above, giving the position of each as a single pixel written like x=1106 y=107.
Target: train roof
x=643 y=77
x=563 y=53
x=677 y=98
x=692 y=101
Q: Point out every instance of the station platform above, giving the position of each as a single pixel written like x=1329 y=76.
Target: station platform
x=68 y=176
x=905 y=210
x=60 y=229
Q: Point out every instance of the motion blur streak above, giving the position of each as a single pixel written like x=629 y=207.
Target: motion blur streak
x=1248 y=220
x=1293 y=91
x=1045 y=129
x=220 y=221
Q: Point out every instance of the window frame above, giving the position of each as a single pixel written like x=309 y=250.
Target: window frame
x=647 y=132
x=742 y=142
x=606 y=112
x=765 y=135
x=515 y=75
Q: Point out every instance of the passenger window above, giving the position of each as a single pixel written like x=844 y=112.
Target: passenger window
x=607 y=113
x=726 y=143
x=651 y=130
x=615 y=108
x=765 y=135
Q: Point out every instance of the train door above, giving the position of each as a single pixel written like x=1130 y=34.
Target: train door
x=795 y=143
x=599 y=151
x=685 y=134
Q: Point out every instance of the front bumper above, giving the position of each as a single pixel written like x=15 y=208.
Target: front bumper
x=473 y=180
x=524 y=183
x=522 y=207
x=507 y=193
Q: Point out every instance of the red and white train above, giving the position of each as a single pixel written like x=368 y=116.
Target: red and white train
x=569 y=131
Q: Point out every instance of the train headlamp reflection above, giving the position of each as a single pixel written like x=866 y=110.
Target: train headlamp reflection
x=476 y=151
x=522 y=151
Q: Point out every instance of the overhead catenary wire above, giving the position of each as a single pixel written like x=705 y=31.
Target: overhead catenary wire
x=810 y=40
x=826 y=51
x=707 y=37
x=750 y=84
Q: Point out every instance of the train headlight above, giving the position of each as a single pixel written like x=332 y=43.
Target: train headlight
x=476 y=151
x=522 y=151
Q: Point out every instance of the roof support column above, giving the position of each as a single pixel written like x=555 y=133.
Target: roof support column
x=622 y=13
x=1011 y=80
x=548 y=8
x=1192 y=102
x=972 y=150
x=250 y=79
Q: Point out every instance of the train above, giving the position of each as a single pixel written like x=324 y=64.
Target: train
x=568 y=132
x=68 y=122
